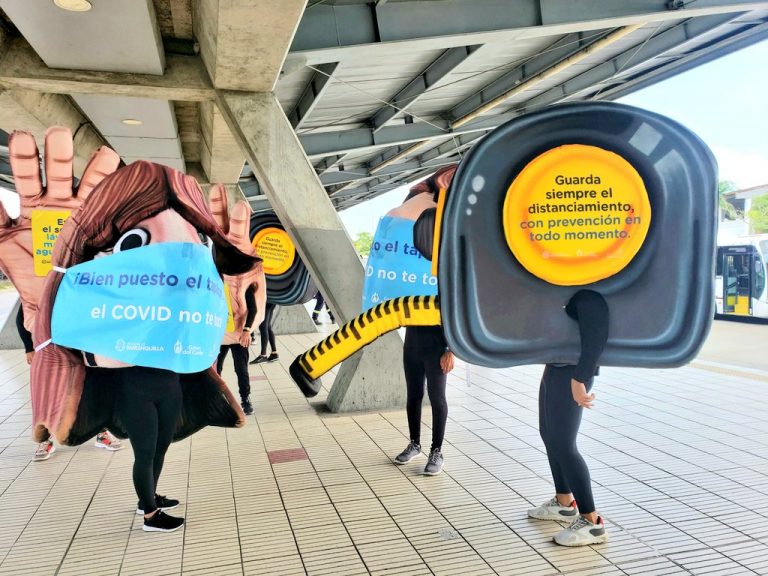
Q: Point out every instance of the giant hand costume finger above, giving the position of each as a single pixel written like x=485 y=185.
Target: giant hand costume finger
x=138 y=214
x=596 y=196
x=26 y=243
x=237 y=227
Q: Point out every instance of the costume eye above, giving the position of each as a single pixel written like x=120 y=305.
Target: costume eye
x=205 y=240
x=135 y=238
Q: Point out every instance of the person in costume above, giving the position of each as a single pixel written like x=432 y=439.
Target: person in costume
x=563 y=395
x=16 y=255
x=76 y=393
x=243 y=290
x=267 y=336
x=426 y=357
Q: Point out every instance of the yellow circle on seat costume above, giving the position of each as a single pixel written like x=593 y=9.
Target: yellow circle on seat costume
x=576 y=214
x=276 y=249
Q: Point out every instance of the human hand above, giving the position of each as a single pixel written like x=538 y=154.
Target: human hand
x=237 y=227
x=30 y=355
x=245 y=339
x=580 y=395
x=446 y=361
x=16 y=249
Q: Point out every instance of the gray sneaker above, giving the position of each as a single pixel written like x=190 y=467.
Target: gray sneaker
x=582 y=532
x=434 y=463
x=411 y=451
x=553 y=510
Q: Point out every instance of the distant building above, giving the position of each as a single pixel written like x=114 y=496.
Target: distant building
x=742 y=201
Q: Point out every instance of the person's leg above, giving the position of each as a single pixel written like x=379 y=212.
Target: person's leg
x=414 y=381
x=139 y=416
x=436 y=383
x=240 y=359
x=561 y=507
x=168 y=410
x=269 y=312
x=564 y=428
x=220 y=360
x=318 y=308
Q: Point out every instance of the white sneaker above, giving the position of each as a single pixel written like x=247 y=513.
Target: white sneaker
x=553 y=510
x=582 y=533
x=107 y=441
x=44 y=450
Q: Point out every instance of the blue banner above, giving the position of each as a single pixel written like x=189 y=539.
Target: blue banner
x=395 y=267
x=160 y=306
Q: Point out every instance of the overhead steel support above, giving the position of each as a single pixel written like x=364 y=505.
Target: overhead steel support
x=329 y=33
x=681 y=63
x=292 y=187
x=417 y=87
x=312 y=94
x=619 y=67
x=566 y=46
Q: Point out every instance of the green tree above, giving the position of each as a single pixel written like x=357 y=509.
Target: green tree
x=758 y=214
x=363 y=243
x=729 y=210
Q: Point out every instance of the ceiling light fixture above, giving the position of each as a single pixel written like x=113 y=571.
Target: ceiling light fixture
x=131 y=122
x=73 y=5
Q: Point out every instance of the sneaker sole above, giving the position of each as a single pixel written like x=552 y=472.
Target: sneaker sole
x=403 y=462
x=153 y=529
x=41 y=458
x=110 y=448
x=553 y=518
x=433 y=473
x=141 y=512
x=596 y=540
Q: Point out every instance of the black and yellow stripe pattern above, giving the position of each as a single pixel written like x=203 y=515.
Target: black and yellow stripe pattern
x=361 y=331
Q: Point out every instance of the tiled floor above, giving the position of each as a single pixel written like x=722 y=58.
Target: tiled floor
x=678 y=459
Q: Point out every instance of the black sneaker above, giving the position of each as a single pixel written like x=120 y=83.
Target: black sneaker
x=162 y=522
x=434 y=463
x=413 y=450
x=161 y=502
x=272 y=357
x=259 y=359
x=316 y=320
x=247 y=407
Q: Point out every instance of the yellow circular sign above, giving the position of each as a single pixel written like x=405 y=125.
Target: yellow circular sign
x=576 y=214
x=276 y=249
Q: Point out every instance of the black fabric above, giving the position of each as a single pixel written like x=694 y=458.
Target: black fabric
x=320 y=301
x=24 y=334
x=559 y=422
x=265 y=330
x=424 y=345
x=590 y=310
x=424 y=232
x=149 y=405
x=250 y=303
x=240 y=359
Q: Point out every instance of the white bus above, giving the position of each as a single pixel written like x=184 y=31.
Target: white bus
x=740 y=277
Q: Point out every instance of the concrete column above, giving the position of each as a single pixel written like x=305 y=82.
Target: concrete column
x=368 y=380
x=292 y=320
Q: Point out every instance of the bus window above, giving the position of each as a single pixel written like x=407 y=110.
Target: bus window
x=759 y=277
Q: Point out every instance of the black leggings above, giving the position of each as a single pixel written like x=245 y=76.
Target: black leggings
x=148 y=404
x=240 y=358
x=265 y=330
x=559 y=421
x=422 y=360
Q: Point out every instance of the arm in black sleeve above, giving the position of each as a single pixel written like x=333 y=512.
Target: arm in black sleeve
x=250 y=303
x=24 y=334
x=590 y=310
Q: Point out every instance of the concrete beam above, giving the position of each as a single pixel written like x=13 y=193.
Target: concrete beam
x=35 y=112
x=299 y=200
x=244 y=42
x=185 y=77
x=220 y=153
